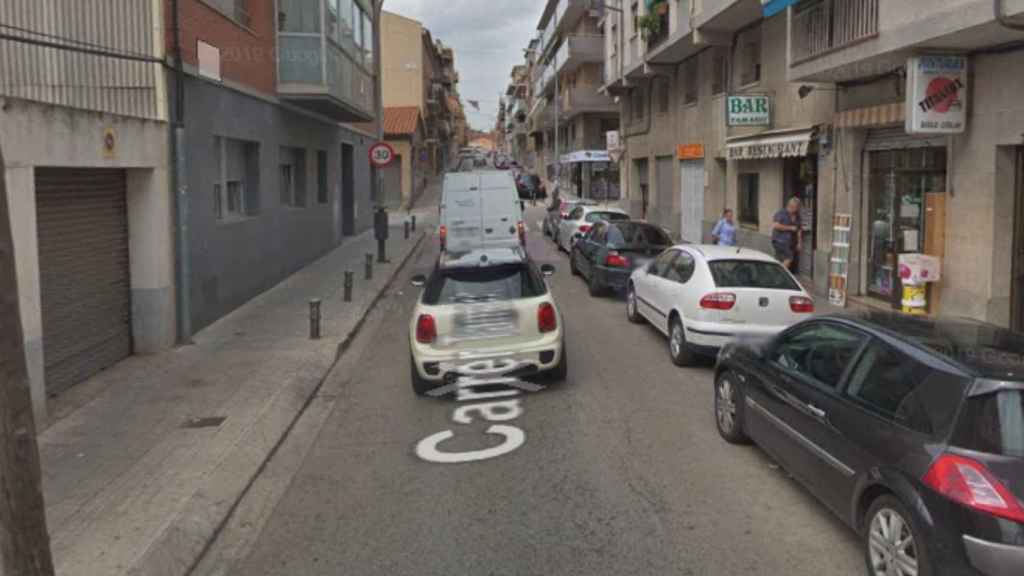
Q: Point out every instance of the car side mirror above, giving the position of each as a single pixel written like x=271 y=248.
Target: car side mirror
x=547 y=270
x=419 y=280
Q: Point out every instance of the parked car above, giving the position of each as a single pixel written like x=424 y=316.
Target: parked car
x=530 y=187
x=559 y=208
x=480 y=210
x=910 y=430
x=608 y=254
x=485 y=304
x=581 y=219
x=703 y=297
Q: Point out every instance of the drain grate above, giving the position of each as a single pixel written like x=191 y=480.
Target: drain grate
x=205 y=422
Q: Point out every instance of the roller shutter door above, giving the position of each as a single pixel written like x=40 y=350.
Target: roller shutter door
x=896 y=138
x=84 y=274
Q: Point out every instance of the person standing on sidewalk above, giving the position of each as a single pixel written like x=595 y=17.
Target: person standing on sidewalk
x=787 y=240
x=724 y=232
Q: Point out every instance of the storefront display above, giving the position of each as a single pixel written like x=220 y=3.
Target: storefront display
x=590 y=174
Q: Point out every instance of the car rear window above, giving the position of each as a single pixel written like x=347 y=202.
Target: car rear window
x=623 y=235
x=606 y=216
x=490 y=284
x=993 y=423
x=751 y=274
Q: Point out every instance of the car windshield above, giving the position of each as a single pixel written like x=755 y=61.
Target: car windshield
x=630 y=234
x=483 y=284
x=751 y=274
x=993 y=423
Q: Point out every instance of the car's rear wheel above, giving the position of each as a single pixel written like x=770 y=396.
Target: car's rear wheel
x=729 y=409
x=633 y=306
x=677 y=346
x=561 y=372
x=893 y=545
x=419 y=385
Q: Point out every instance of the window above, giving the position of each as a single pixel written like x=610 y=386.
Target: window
x=719 y=71
x=605 y=217
x=635 y=13
x=333 y=29
x=576 y=213
x=993 y=423
x=638 y=103
x=664 y=262
x=615 y=40
x=236 y=182
x=749 y=199
x=690 y=81
x=299 y=16
x=237 y=10
x=346 y=30
x=491 y=284
x=368 y=40
x=751 y=274
x=820 y=353
x=749 y=55
x=682 y=269
x=599 y=232
x=292 y=170
x=663 y=88
x=899 y=388
x=321 y=177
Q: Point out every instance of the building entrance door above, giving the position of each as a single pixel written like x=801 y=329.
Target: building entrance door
x=348 y=190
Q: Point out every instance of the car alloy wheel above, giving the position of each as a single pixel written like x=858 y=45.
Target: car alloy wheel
x=632 y=310
x=892 y=548
x=725 y=405
x=681 y=353
x=677 y=340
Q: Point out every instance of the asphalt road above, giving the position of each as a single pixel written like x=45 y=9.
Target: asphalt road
x=622 y=471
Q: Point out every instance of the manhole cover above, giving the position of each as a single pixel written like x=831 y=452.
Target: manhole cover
x=207 y=422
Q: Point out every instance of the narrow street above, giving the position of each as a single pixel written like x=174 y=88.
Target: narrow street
x=622 y=470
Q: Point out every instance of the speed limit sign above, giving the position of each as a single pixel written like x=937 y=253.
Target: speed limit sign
x=381 y=154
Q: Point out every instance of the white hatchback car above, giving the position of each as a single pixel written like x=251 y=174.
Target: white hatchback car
x=485 y=305
x=581 y=219
x=703 y=297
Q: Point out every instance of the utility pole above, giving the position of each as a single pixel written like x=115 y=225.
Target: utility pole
x=558 y=156
x=378 y=66
x=24 y=541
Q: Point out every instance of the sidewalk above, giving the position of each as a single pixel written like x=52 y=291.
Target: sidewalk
x=144 y=462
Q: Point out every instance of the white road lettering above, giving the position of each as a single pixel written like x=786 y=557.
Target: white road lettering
x=491 y=411
x=427 y=449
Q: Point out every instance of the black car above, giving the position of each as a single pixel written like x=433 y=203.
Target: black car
x=910 y=430
x=609 y=252
x=530 y=187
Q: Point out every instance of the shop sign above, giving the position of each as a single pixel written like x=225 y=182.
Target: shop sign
x=748 y=110
x=690 y=151
x=586 y=156
x=614 y=145
x=765 y=150
x=936 y=95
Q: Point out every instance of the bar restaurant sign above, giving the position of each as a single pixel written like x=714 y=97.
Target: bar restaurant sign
x=936 y=95
x=748 y=110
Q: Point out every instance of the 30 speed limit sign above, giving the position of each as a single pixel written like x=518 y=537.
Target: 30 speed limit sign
x=381 y=154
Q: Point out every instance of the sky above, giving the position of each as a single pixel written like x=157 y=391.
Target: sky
x=488 y=36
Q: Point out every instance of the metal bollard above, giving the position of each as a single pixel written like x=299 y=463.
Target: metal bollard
x=406 y=229
x=349 y=275
x=369 y=266
x=381 y=256
x=314 y=319
x=413 y=222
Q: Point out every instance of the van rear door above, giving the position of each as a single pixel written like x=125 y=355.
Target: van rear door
x=501 y=210
x=462 y=213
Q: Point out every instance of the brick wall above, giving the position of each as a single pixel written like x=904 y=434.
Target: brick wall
x=247 y=52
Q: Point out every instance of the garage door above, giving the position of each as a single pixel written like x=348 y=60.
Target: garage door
x=663 y=193
x=83 y=266
x=692 y=201
x=393 y=183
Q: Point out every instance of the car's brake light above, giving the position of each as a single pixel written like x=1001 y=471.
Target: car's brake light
x=970 y=483
x=426 y=329
x=584 y=228
x=718 y=301
x=547 y=319
x=616 y=260
x=801 y=305
x=444 y=236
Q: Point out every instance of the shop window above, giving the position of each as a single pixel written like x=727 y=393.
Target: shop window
x=236 y=186
x=749 y=56
x=749 y=199
x=691 y=81
x=719 y=71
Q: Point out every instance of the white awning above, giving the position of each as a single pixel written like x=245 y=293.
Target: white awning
x=788 y=143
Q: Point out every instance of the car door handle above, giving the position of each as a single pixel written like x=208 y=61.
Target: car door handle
x=816 y=412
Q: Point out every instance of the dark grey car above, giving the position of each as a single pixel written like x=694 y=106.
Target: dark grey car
x=609 y=252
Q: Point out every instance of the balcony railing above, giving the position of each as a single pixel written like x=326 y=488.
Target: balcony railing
x=657 y=39
x=823 y=26
x=585 y=99
x=580 y=49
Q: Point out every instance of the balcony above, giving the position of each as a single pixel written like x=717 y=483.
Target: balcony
x=324 y=72
x=725 y=15
x=585 y=100
x=579 y=49
x=566 y=14
x=826 y=25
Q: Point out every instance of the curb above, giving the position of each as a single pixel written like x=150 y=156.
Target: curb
x=188 y=537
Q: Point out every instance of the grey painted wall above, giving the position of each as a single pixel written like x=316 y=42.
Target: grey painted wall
x=235 y=260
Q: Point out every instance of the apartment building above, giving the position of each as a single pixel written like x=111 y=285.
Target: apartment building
x=516 y=109
x=927 y=143
x=416 y=75
x=85 y=145
x=569 y=118
x=276 y=180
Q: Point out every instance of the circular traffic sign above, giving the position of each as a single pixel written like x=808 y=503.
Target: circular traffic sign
x=382 y=154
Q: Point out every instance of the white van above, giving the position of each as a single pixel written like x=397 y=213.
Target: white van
x=480 y=210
